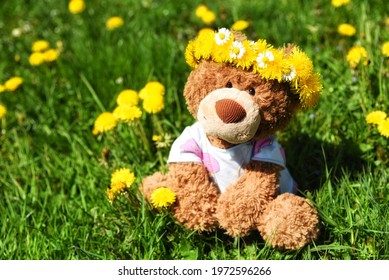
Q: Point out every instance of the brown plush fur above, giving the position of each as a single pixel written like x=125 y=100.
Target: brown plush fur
x=241 y=206
x=286 y=221
x=196 y=195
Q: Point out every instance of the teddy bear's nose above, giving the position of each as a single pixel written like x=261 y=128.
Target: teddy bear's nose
x=230 y=111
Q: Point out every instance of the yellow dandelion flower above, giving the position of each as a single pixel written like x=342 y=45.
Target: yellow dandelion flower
x=270 y=64
x=204 y=45
x=338 y=3
x=309 y=91
x=110 y=195
x=156 y=138
x=205 y=30
x=3 y=111
x=122 y=179
x=50 y=55
x=127 y=113
x=40 y=46
x=375 y=117
x=76 y=6
x=201 y=10
x=346 y=29
x=385 y=49
x=209 y=17
x=127 y=97
x=153 y=103
x=248 y=57
x=240 y=25
x=261 y=45
x=222 y=48
x=114 y=22
x=151 y=88
x=162 y=197
x=104 y=122
x=298 y=66
x=356 y=55
x=36 y=58
x=383 y=128
x=201 y=48
x=13 y=83
x=2 y=88
x=189 y=55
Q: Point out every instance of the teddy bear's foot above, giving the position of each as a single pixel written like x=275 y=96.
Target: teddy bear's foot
x=289 y=222
x=238 y=212
x=150 y=183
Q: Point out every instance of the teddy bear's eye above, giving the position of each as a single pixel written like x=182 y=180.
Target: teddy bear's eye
x=229 y=85
x=252 y=91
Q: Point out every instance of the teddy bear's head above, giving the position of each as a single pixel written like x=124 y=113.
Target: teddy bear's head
x=241 y=89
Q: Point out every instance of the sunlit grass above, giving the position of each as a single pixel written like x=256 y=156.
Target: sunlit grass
x=55 y=172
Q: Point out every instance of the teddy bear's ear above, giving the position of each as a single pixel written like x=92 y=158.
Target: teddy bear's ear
x=288 y=49
x=239 y=36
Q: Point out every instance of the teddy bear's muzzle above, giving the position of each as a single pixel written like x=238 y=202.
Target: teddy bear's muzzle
x=229 y=114
x=230 y=111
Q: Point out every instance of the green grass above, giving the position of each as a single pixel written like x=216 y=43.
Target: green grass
x=54 y=172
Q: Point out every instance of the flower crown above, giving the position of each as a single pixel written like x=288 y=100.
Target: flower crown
x=287 y=64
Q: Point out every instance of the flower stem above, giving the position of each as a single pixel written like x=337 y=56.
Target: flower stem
x=158 y=124
x=143 y=137
x=3 y=125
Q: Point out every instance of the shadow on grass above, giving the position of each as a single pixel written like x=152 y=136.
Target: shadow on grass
x=312 y=162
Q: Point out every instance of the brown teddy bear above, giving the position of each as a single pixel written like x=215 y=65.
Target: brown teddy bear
x=227 y=170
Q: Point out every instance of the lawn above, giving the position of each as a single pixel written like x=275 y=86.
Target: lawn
x=54 y=171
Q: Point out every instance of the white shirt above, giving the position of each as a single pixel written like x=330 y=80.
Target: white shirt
x=225 y=166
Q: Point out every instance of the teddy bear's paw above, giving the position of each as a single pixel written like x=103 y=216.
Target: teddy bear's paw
x=289 y=222
x=196 y=215
x=151 y=183
x=196 y=195
x=238 y=212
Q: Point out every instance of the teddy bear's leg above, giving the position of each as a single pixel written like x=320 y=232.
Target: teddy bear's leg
x=241 y=205
x=289 y=222
x=196 y=196
x=150 y=183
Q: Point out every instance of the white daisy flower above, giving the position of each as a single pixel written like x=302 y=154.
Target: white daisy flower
x=263 y=58
x=291 y=75
x=237 y=50
x=222 y=36
x=17 y=32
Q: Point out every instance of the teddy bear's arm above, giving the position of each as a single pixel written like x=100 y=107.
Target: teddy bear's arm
x=196 y=195
x=241 y=205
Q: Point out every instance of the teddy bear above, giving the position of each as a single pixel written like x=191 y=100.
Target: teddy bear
x=227 y=170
